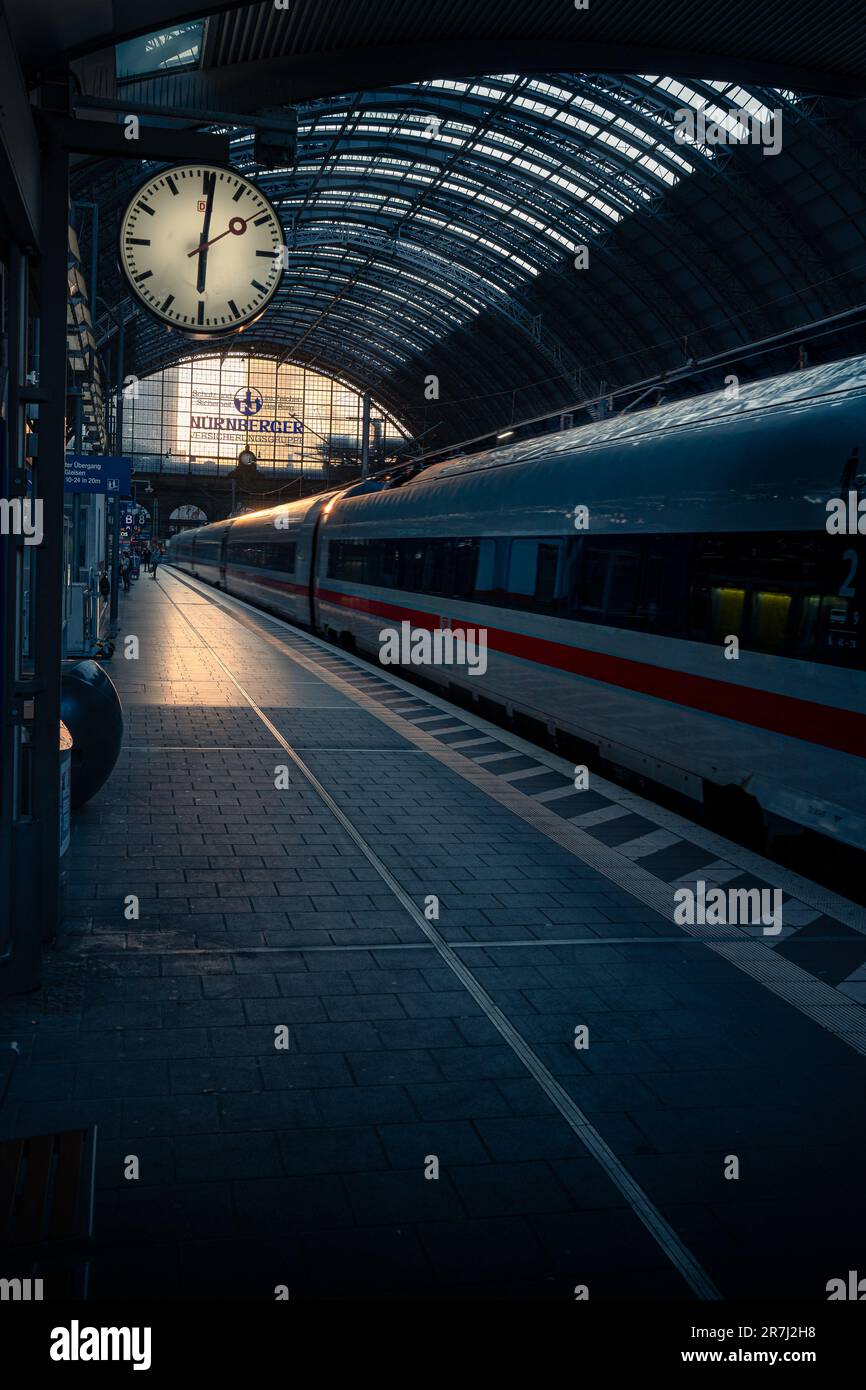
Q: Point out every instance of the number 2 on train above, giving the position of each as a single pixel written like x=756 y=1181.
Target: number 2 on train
x=846 y=589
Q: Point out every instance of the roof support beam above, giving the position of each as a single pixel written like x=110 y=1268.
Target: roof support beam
x=294 y=77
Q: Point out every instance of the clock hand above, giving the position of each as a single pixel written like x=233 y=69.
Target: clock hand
x=203 y=240
x=237 y=226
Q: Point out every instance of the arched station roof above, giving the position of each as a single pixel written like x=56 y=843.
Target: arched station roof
x=432 y=226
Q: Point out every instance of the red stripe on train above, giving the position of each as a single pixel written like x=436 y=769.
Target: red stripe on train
x=264 y=581
x=825 y=725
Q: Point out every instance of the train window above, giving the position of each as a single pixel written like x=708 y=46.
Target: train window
x=280 y=555
x=807 y=633
x=335 y=558
x=444 y=567
x=463 y=567
x=433 y=568
x=727 y=606
x=546 y=572
x=522 y=566
x=623 y=583
x=411 y=565
x=485 y=574
x=589 y=581
x=346 y=561
x=370 y=552
x=784 y=594
x=605 y=580
x=654 y=608
x=533 y=570
x=769 y=622
x=389 y=564
x=663 y=606
x=272 y=555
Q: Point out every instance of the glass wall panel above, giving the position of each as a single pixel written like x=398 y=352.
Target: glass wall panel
x=199 y=415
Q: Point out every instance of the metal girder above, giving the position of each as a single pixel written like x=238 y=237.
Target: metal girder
x=316 y=283
x=445 y=272
x=528 y=197
x=486 y=271
x=293 y=77
x=150 y=358
x=567 y=151
x=410 y=334
x=438 y=272
x=379 y=331
x=540 y=130
x=104 y=138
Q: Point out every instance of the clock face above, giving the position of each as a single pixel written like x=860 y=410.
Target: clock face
x=201 y=248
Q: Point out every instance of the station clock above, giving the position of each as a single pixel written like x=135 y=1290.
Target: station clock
x=201 y=248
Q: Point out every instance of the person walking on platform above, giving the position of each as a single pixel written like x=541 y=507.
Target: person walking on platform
x=125 y=572
x=155 y=558
x=146 y=558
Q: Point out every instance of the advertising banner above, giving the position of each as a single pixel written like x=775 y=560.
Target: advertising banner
x=215 y=413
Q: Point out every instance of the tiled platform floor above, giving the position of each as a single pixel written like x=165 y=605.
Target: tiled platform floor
x=257 y=909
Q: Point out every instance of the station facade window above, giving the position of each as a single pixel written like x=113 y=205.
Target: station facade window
x=785 y=594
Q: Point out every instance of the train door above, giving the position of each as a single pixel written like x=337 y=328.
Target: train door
x=322 y=508
x=314 y=557
x=223 y=544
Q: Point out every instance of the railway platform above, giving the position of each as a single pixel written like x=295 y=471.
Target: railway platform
x=365 y=999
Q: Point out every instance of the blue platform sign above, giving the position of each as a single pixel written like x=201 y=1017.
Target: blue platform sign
x=98 y=473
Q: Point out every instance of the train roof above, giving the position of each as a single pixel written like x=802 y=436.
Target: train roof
x=286 y=515
x=263 y=519
x=797 y=463
x=832 y=381
x=769 y=459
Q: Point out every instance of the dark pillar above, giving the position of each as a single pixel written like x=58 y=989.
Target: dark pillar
x=118 y=449
x=20 y=926
x=76 y=496
x=47 y=620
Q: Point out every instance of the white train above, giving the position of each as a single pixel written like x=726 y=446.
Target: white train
x=674 y=589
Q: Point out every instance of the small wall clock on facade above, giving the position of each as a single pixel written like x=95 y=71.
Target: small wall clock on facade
x=201 y=249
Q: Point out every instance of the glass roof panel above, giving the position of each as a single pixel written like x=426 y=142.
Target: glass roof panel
x=168 y=48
